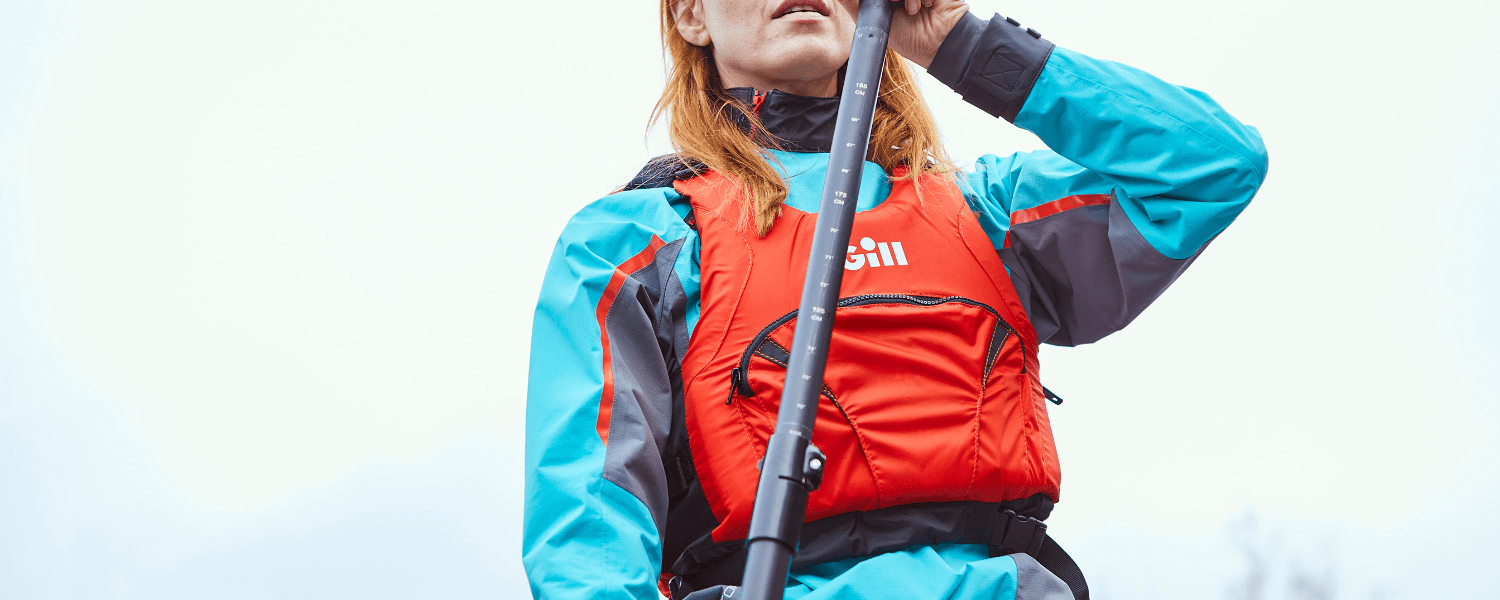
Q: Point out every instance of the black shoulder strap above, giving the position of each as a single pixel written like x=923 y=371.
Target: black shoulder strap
x=663 y=170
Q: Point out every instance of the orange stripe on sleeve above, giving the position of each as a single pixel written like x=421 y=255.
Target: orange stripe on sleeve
x=1055 y=207
x=616 y=281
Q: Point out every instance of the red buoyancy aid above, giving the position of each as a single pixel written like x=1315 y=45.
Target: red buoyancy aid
x=931 y=393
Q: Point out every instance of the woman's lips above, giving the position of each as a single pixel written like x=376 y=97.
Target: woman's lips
x=802 y=9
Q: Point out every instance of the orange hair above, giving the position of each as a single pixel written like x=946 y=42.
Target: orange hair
x=703 y=129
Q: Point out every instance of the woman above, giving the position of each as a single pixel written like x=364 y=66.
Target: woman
x=658 y=349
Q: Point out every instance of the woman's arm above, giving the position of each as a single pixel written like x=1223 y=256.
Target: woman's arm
x=1140 y=176
x=599 y=400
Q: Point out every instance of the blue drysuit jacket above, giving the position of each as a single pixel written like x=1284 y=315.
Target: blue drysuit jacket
x=1177 y=170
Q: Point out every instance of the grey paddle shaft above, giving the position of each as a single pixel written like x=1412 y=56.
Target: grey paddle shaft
x=792 y=466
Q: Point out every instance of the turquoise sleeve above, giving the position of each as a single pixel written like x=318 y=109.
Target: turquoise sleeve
x=1179 y=165
x=586 y=536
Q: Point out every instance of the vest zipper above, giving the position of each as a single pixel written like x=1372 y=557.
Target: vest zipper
x=738 y=376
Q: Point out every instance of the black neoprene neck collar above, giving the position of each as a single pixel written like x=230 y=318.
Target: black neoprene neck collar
x=798 y=123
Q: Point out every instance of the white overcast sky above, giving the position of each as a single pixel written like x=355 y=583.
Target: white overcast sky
x=267 y=272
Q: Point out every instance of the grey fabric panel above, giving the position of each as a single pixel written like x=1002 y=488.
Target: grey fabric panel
x=643 y=363
x=672 y=316
x=1085 y=273
x=718 y=592
x=1035 y=582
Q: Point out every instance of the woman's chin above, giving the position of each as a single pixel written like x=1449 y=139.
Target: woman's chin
x=808 y=61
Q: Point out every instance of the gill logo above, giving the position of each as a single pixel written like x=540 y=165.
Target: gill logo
x=890 y=255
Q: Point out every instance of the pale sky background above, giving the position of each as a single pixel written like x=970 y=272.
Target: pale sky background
x=267 y=272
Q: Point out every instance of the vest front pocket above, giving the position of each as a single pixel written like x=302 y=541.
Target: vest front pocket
x=916 y=389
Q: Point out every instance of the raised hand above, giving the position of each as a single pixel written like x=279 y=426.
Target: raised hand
x=920 y=26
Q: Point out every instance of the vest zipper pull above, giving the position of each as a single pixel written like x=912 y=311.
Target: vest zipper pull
x=737 y=383
x=1051 y=397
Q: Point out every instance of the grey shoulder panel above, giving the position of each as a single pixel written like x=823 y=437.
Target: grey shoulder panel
x=642 y=328
x=1035 y=582
x=1086 y=272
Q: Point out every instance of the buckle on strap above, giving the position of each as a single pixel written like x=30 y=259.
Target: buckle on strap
x=677 y=589
x=1014 y=533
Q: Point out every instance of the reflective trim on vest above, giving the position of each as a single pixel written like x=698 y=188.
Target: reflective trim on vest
x=931 y=392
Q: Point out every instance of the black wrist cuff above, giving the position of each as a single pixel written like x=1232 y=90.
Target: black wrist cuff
x=993 y=64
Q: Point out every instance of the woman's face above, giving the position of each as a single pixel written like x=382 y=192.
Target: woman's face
x=796 y=46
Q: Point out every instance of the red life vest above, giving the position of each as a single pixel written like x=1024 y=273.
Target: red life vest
x=931 y=391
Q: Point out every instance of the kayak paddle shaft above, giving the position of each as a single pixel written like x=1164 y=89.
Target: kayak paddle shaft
x=793 y=467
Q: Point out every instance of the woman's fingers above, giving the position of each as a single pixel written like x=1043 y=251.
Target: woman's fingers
x=915 y=6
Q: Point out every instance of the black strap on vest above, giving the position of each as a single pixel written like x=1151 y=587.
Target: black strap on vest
x=680 y=475
x=1005 y=533
x=1010 y=533
x=661 y=171
x=1052 y=558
